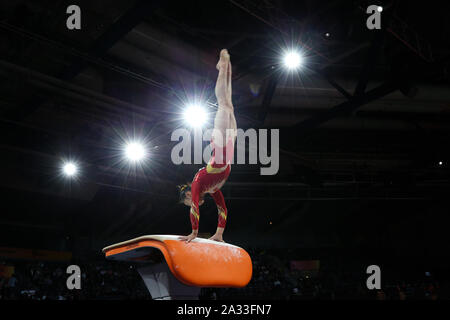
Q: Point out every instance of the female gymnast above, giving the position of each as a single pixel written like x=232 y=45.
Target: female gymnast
x=212 y=177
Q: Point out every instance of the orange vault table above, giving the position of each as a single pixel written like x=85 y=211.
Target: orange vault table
x=174 y=269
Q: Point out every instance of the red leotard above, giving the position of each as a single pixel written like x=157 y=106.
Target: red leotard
x=210 y=179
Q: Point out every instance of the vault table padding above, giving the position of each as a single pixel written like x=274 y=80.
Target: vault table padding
x=201 y=263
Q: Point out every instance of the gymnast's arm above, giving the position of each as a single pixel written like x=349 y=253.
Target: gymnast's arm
x=194 y=213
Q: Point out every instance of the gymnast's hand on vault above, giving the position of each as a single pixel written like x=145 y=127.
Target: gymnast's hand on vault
x=188 y=238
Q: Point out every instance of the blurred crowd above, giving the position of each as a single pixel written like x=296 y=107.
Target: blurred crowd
x=273 y=278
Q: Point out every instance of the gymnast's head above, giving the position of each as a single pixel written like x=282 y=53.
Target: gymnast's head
x=186 y=195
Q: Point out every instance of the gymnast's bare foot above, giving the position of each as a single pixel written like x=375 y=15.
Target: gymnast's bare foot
x=223 y=84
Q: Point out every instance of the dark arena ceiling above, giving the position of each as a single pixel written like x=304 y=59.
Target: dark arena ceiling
x=364 y=125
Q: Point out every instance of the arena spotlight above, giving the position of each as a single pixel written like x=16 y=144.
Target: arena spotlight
x=195 y=115
x=70 y=169
x=135 y=151
x=292 y=60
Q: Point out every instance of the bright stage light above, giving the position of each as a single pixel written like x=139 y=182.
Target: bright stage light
x=195 y=115
x=292 y=60
x=70 y=169
x=135 y=151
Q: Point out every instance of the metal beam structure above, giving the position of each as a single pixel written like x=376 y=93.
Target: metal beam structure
x=275 y=18
x=369 y=64
x=400 y=30
x=269 y=91
x=347 y=107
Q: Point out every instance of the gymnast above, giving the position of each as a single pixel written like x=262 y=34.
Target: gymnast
x=211 y=178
